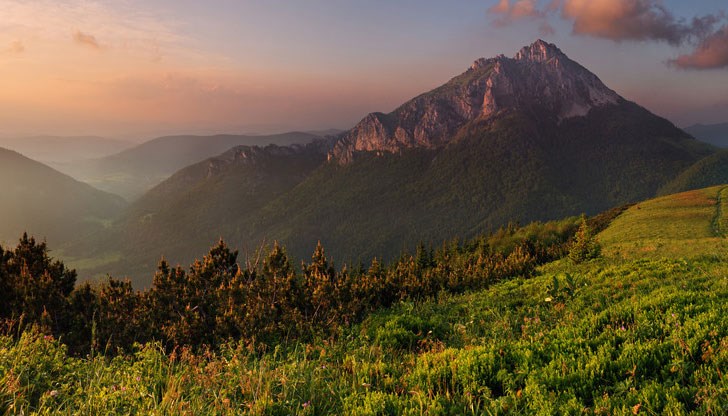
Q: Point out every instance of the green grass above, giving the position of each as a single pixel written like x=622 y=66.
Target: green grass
x=648 y=333
x=685 y=225
x=638 y=331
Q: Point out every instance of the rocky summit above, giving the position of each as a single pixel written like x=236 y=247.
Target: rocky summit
x=539 y=79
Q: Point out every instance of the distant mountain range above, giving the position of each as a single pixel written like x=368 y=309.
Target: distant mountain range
x=48 y=204
x=64 y=149
x=134 y=171
x=715 y=134
x=532 y=137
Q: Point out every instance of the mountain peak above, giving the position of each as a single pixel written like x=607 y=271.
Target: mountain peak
x=539 y=51
x=540 y=80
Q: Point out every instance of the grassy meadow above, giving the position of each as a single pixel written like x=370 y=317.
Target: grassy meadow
x=643 y=329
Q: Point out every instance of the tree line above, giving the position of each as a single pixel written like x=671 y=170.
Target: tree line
x=263 y=301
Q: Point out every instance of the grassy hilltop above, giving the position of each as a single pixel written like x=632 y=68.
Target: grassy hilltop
x=643 y=329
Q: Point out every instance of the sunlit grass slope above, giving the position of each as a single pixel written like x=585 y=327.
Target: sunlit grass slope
x=686 y=225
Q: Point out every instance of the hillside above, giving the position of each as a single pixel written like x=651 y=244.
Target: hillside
x=685 y=225
x=710 y=171
x=512 y=169
x=533 y=137
x=134 y=171
x=44 y=202
x=641 y=330
x=201 y=203
x=715 y=134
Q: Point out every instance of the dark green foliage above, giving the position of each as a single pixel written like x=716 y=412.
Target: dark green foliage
x=187 y=306
x=120 y=318
x=35 y=288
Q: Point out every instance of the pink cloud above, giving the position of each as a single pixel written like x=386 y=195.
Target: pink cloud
x=518 y=9
x=711 y=53
x=502 y=7
x=620 y=20
x=628 y=20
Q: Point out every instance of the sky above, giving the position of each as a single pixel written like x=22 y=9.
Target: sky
x=136 y=69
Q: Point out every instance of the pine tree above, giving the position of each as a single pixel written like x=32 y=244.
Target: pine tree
x=585 y=247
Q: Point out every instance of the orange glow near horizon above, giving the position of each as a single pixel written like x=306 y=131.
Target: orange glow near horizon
x=135 y=69
x=83 y=70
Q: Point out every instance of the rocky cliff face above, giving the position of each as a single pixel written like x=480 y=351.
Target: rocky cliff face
x=539 y=79
x=258 y=160
x=256 y=155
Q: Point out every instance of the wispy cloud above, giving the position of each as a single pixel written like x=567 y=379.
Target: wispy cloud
x=628 y=20
x=711 y=53
x=85 y=39
x=15 y=47
x=119 y=26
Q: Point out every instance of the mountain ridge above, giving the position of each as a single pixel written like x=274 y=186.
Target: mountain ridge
x=465 y=174
x=715 y=134
x=132 y=172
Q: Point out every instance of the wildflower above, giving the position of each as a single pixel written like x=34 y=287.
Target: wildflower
x=548 y=299
x=622 y=328
x=307 y=404
x=53 y=393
